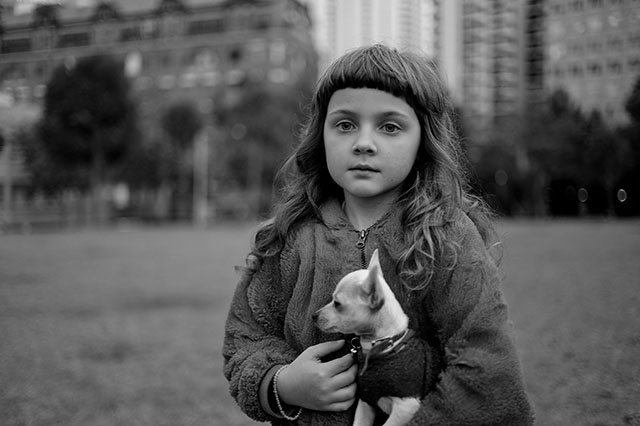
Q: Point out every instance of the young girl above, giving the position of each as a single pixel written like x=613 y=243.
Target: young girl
x=378 y=167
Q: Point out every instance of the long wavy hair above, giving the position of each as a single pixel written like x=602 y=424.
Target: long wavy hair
x=436 y=189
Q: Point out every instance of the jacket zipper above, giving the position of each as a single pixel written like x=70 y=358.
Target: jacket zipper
x=362 y=241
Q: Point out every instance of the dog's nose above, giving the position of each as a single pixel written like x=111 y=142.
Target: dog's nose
x=315 y=315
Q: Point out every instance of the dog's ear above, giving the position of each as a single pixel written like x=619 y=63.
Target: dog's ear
x=374 y=276
x=375 y=260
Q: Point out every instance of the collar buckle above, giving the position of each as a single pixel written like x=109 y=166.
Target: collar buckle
x=356 y=347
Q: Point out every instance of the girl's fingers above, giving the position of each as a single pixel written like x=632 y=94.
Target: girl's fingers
x=323 y=349
x=346 y=377
x=341 y=364
x=342 y=399
x=340 y=406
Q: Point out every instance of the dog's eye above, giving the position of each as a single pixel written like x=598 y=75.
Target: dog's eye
x=336 y=304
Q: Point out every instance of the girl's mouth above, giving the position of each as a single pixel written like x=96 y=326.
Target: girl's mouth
x=363 y=168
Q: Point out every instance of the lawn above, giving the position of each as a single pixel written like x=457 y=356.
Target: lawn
x=125 y=327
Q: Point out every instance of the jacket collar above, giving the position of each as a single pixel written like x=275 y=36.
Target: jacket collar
x=334 y=217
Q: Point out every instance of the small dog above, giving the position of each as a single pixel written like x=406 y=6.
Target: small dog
x=392 y=361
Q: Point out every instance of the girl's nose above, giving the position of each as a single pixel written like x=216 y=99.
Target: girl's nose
x=364 y=143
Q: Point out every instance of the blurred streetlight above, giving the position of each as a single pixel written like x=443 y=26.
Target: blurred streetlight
x=201 y=166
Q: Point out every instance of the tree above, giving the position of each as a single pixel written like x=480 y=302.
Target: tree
x=550 y=130
x=46 y=175
x=632 y=104
x=570 y=150
x=89 y=121
x=601 y=157
x=260 y=126
x=182 y=122
x=628 y=203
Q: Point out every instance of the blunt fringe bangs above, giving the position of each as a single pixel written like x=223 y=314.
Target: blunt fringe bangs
x=406 y=75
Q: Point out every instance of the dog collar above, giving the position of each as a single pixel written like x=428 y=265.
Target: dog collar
x=380 y=348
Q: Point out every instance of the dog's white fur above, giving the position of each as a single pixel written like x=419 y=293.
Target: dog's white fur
x=363 y=304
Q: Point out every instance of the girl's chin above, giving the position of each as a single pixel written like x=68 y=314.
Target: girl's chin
x=371 y=194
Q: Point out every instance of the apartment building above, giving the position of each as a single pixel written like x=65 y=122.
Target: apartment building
x=170 y=49
x=166 y=45
x=592 y=50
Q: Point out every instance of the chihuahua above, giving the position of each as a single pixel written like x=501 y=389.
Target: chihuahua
x=391 y=358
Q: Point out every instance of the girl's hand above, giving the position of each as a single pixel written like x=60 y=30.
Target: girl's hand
x=325 y=386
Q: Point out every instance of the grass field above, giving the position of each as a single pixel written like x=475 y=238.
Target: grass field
x=125 y=328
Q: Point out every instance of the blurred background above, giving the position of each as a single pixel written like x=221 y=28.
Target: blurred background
x=181 y=110
x=138 y=145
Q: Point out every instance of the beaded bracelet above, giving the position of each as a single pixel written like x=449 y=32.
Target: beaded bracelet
x=275 y=391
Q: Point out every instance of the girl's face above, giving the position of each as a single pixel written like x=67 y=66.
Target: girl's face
x=371 y=140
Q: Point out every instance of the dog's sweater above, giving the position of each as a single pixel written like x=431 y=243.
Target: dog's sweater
x=400 y=373
x=473 y=373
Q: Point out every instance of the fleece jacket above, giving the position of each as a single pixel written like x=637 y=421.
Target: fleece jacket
x=461 y=318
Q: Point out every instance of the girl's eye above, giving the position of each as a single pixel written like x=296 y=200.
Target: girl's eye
x=390 y=128
x=345 y=126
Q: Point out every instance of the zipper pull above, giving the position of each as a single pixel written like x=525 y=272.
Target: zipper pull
x=363 y=238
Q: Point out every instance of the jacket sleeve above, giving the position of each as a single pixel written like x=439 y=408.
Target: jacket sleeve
x=254 y=340
x=481 y=381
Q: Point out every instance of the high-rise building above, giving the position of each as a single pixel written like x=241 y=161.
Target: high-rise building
x=481 y=51
x=592 y=50
x=533 y=62
x=341 y=25
x=477 y=43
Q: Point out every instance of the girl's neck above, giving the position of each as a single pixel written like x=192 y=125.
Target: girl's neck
x=363 y=214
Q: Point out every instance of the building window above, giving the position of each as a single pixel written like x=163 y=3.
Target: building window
x=204 y=59
x=165 y=61
x=188 y=80
x=558 y=72
x=595 y=45
x=614 y=43
x=595 y=24
x=22 y=93
x=614 y=20
x=167 y=82
x=43 y=39
x=594 y=68
x=579 y=27
x=577 y=5
x=39 y=91
x=558 y=8
x=576 y=70
x=133 y=64
x=74 y=40
x=257 y=50
x=172 y=26
x=210 y=26
x=614 y=67
x=236 y=54
x=576 y=48
x=278 y=52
